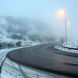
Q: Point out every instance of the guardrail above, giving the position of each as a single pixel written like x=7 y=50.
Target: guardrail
x=70 y=48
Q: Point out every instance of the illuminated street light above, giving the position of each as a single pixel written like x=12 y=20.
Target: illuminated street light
x=68 y=23
x=62 y=14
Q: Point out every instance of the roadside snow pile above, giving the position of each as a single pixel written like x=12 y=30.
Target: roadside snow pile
x=72 y=44
x=70 y=47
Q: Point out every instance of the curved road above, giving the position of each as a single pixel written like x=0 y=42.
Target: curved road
x=47 y=58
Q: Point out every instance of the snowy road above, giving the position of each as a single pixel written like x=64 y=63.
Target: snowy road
x=11 y=69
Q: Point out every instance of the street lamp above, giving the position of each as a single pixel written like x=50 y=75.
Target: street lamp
x=69 y=23
x=66 y=29
x=62 y=14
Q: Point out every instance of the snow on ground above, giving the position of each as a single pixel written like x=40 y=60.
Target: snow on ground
x=13 y=70
x=69 y=45
x=65 y=49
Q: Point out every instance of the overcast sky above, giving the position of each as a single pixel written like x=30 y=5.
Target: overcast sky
x=39 y=9
x=43 y=10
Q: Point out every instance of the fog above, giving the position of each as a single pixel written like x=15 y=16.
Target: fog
x=39 y=17
x=33 y=29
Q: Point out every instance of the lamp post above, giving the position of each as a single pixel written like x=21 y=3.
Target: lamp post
x=62 y=14
x=69 y=23
x=65 y=29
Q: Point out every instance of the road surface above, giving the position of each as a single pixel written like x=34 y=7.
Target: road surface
x=45 y=57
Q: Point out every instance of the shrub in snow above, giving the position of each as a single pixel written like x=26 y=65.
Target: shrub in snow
x=18 y=44
x=6 y=45
x=1 y=45
x=10 y=45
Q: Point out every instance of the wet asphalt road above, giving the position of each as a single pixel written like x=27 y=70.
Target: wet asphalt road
x=47 y=58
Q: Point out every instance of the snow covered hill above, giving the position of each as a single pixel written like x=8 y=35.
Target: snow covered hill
x=20 y=30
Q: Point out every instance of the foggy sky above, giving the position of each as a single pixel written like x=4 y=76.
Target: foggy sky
x=39 y=9
x=43 y=10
